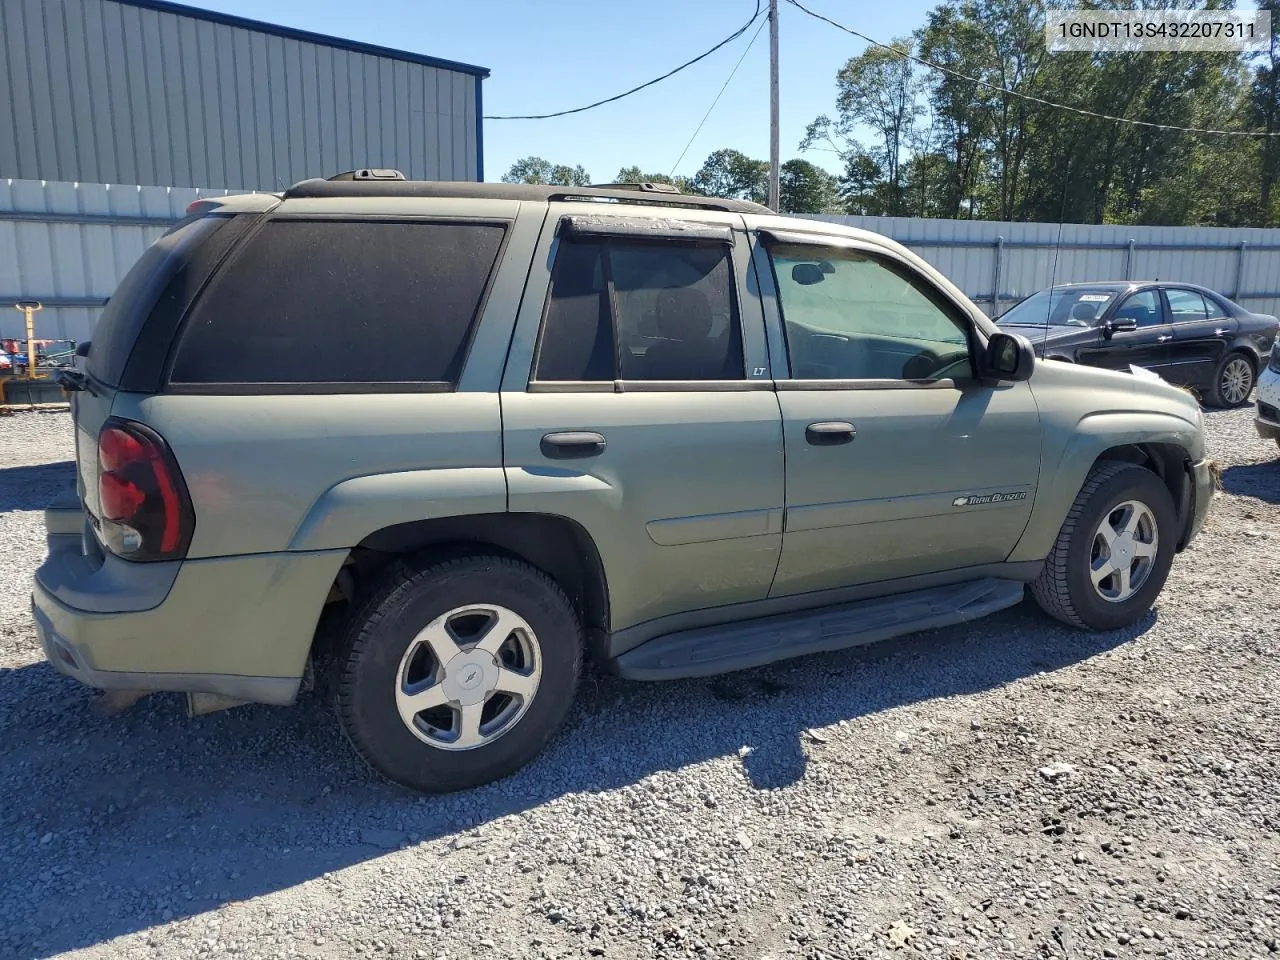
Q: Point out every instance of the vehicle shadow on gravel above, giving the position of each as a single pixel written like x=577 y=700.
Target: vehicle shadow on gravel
x=34 y=487
x=1258 y=480
x=113 y=826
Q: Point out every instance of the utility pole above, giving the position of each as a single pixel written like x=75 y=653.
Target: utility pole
x=774 y=198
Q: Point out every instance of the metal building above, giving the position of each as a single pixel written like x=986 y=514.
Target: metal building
x=145 y=92
x=115 y=114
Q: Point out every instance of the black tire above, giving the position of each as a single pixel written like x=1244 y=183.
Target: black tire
x=1237 y=361
x=1064 y=589
x=381 y=632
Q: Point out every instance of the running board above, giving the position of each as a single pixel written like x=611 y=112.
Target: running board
x=708 y=651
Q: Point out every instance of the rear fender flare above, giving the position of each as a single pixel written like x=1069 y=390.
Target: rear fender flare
x=348 y=512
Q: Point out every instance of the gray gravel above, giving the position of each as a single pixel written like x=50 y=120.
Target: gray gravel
x=1007 y=788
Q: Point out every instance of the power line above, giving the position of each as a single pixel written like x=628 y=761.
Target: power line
x=1026 y=96
x=671 y=73
x=718 y=96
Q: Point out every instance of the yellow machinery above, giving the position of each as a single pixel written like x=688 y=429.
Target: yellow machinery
x=30 y=390
x=30 y=308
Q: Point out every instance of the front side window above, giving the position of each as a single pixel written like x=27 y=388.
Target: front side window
x=850 y=316
x=638 y=310
x=1143 y=308
x=1186 y=306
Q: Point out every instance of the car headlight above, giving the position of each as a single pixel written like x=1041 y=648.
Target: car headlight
x=1274 y=363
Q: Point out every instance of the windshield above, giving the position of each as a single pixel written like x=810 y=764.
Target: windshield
x=1075 y=307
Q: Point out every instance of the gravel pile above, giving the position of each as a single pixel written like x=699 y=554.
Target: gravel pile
x=1004 y=789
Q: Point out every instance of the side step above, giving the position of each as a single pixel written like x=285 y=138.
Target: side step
x=707 y=651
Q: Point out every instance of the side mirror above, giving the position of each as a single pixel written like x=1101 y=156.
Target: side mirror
x=1008 y=357
x=807 y=274
x=1118 y=325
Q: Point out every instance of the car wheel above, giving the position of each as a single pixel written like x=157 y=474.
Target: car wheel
x=1114 y=550
x=457 y=673
x=1232 y=381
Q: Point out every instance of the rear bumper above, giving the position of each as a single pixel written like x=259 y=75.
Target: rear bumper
x=239 y=627
x=70 y=657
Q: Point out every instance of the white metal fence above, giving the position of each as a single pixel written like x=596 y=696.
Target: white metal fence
x=997 y=264
x=68 y=245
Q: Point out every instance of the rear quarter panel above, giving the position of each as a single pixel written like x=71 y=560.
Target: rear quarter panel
x=266 y=473
x=305 y=472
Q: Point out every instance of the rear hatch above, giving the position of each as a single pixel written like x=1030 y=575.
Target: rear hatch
x=130 y=344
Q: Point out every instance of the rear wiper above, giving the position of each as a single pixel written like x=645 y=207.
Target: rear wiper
x=72 y=379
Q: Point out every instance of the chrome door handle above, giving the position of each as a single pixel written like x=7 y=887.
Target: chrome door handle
x=1220 y=332
x=1163 y=339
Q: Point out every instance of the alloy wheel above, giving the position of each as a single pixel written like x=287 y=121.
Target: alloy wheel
x=1236 y=381
x=468 y=677
x=1124 y=551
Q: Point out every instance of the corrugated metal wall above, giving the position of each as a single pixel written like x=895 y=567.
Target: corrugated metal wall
x=107 y=92
x=68 y=245
x=997 y=264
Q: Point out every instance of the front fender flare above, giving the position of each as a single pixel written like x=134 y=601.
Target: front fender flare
x=1093 y=436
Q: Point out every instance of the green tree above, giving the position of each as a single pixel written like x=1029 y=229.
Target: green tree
x=860 y=185
x=1264 y=103
x=729 y=173
x=538 y=170
x=879 y=89
x=805 y=188
x=962 y=108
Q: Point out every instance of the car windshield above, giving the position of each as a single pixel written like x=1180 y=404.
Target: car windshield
x=1077 y=307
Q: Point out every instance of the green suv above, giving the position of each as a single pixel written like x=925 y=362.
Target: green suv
x=439 y=442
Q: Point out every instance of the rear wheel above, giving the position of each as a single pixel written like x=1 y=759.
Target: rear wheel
x=1232 y=381
x=457 y=673
x=1114 y=551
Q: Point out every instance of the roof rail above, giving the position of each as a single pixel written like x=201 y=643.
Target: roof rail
x=345 y=185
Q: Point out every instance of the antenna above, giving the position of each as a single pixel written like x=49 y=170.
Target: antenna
x=1057 y=248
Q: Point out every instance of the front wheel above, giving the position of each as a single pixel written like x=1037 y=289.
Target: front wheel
x=458 y=673
x=1114 y=551
x=1232 y=381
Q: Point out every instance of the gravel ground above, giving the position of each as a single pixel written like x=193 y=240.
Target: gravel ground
x=894 y=801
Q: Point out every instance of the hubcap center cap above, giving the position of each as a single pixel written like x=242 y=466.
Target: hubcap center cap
x=1122 y=551
x=470 y=677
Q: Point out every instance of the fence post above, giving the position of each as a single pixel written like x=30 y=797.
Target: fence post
x=1240 y=271
x=1128 y=260
x=995 y=285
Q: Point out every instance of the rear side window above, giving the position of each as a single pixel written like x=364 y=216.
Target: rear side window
x=342 y=302
x=635 y=310
x=1186 y=305
x=122 y=319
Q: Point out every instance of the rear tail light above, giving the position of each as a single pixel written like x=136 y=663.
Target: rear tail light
x=146 y=510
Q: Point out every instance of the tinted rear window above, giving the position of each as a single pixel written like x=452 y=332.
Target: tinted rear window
x=123 y=317
x=341 y=301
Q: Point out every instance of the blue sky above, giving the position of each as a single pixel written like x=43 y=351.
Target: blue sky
x=590 y=50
